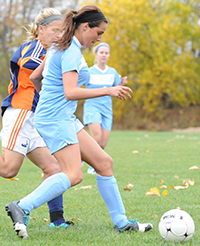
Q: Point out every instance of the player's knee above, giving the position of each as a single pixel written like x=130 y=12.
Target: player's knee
x=51 y=169
x=9 y=173
x=106 y=166
x=109 y=163
x=75 y=177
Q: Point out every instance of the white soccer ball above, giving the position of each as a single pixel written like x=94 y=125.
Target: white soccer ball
x=176 y=226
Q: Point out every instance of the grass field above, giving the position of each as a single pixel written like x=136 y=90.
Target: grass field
x=140 y=158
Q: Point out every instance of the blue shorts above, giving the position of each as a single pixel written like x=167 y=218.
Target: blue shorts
x=59 y=134
x=93 y=115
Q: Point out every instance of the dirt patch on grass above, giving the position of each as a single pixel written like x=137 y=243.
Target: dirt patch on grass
x=189 y=129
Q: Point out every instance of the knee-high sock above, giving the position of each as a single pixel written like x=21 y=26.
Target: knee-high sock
x=56 y=210
x=110 y=193
x=50 y=188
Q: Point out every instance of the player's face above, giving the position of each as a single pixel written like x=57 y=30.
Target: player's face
x=50 y=33
x=102 y=55
x=92 y=35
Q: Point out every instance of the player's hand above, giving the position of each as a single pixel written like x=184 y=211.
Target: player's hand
x=120 y=92
x=124 y=80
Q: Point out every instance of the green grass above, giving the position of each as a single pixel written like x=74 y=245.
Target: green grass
x=162 y=155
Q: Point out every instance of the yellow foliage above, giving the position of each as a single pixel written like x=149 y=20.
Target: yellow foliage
x=149 y=43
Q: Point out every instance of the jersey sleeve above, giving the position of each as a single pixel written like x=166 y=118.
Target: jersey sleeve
x=31 y=56
x=75 y=60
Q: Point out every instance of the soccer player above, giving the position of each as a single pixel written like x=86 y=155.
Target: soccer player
x=98 y=114
x=19 y=136
x=65 y=70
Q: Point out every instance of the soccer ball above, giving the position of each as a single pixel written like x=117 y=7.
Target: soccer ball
x=176 y=226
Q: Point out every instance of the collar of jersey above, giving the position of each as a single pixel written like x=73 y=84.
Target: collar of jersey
x=77 y=42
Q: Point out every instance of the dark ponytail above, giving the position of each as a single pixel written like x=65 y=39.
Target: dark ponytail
x=73 y=19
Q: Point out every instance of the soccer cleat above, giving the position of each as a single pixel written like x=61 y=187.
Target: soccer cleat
x=133 y=225
x=145 y=227
x=19 y=218
x=91 y=170
x=63 y=225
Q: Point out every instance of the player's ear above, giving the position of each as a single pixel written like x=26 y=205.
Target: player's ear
x=41 y=29
x=85 y=26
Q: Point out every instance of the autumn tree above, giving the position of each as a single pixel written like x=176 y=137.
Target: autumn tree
x=154 y=43
x=14 y=16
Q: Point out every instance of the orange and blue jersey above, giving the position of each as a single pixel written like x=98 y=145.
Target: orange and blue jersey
x=22 y=93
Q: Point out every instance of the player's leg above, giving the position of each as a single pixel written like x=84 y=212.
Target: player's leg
x=105 y=137
x=106 y=126
x=53 y=186
x=14 y=146
x=70 y=162
x=95 y=131
x=42 y=158
x=107 y=185
x=10 y=163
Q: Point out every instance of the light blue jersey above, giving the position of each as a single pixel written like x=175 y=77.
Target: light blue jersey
x=99 y=109
x=54 y=114
x=52 y=103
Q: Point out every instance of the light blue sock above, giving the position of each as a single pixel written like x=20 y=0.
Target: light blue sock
x=110 y=193
x=50 y=188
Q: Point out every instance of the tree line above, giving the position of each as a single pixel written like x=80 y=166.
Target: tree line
x=154 y=42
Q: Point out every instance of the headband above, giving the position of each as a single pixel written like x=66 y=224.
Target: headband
x=100 y=45
x=89 y=16
x=49 y=19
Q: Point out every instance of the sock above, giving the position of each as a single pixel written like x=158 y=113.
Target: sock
x=50 y=188
x=110 y=193
x=56 y=210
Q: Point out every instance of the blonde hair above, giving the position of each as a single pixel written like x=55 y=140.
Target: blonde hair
x=96 y=47
x=44 y=13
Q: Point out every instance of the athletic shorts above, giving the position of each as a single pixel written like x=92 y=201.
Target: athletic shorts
x=93 y=115
x=18 y=132
x=59 y=134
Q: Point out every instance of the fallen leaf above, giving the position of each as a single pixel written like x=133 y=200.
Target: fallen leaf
x=194 y=168
x=188 y=182
x=163 y=186
x=128 y=187
x=153 y=192
x=46 y=220
x=150 y=193
x=32 y=218
x=178 y=187
x=176 y=176
x=76 y=219
x=135 y=151
x=162 y=182
x=157 y=216
x=84 y=187
x=13 y=179
x=42 y=174
x=147 y=151
x=164 y=193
